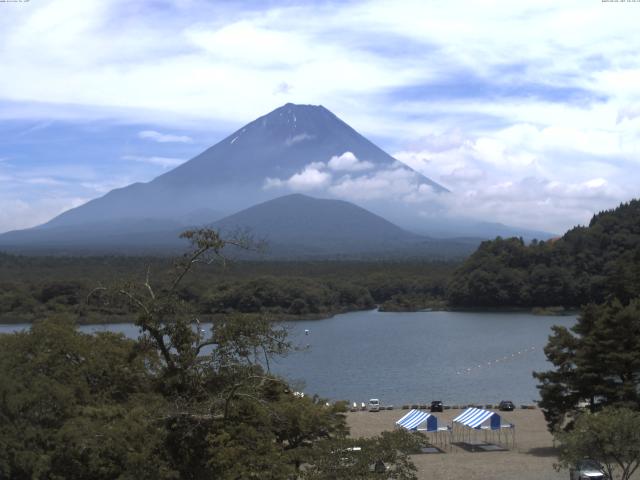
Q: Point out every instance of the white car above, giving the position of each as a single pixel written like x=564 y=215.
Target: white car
x=374 y=405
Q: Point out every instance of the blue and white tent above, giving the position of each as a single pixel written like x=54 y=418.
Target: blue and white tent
x=476 y=417
x=490 y=423
x=424 y=422
x=415 y=418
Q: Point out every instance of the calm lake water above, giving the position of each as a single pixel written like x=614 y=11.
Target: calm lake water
x=457 y=357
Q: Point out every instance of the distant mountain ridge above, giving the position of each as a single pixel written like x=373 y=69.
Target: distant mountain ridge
x=294 y=227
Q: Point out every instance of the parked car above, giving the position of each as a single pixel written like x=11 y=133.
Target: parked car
x=506 y=406
x=588 y=469
x=437 y=406
x=374 y=405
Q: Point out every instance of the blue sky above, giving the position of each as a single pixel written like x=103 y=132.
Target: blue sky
x=528 y=111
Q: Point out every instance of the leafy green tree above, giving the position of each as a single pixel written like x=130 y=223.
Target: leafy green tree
x=386 y=454
x=597 y=360
x=76 y=406
x=232 y=418
x=611 y=437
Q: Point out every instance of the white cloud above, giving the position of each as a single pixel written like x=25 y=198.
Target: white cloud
x=165 y=162
x=520 y=177
x=395 y=182
x=310 y=178
x=164 y=137
x=361 y=188
x=235 y=60
x=348 y=162
x=534 y=202
x=46 y=181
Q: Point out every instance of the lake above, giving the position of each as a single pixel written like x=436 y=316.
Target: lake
x=457 y=357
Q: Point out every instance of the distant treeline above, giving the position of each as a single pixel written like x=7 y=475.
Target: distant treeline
x=37 y=287
x=588 y=264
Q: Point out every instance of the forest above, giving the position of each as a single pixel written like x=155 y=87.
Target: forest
x=587 y=264
x=36 y=287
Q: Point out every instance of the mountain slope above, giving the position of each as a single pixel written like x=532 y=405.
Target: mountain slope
x=232 y=174
x=278 y=144
x=300 y=225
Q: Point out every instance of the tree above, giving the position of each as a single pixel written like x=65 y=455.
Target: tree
x=233 y=418
x=597 y=360
x=225 y=403
x=366 y=458
x=611 y=436
x=78 y=406
x=178 y=402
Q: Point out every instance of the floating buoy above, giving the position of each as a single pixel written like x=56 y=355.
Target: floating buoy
x=494 y=363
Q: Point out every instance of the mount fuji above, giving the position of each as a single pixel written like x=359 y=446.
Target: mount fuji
x=244 y=169
x=294 y=149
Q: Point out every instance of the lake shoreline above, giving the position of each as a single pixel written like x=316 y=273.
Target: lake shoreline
x=122 y=319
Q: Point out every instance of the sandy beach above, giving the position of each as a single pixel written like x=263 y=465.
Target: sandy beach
x=532 y=458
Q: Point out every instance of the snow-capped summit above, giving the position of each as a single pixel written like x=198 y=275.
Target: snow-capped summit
x=279 y=145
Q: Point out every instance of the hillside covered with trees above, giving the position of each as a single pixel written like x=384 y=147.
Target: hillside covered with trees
x=587 y=264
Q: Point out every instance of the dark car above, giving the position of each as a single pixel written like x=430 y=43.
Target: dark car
x=506 y=406
x=588 y=469
x=436 y=406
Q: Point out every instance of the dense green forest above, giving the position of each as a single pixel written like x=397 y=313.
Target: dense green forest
x=588 y=264
x=35 y=287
